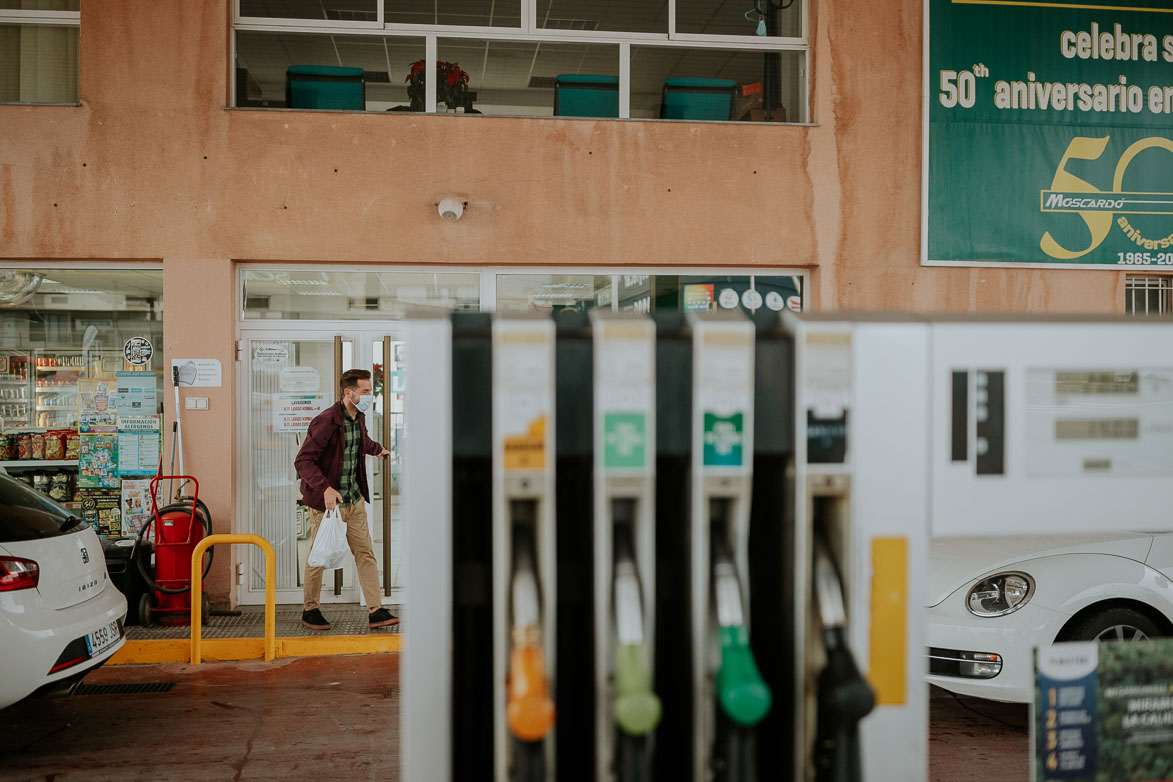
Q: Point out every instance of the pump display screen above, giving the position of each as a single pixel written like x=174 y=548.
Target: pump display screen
x=1092 y=383
x=1102 y=421
x=1097 y=429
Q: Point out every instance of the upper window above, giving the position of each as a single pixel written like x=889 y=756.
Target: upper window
x=655 y=59
x=38 y=51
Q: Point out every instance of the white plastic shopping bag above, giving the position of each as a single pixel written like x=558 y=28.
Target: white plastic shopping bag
x=330 y=548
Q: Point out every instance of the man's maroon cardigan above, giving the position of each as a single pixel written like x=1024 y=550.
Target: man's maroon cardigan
x=319 y=462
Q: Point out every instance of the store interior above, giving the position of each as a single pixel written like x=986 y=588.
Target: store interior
x=81 y=389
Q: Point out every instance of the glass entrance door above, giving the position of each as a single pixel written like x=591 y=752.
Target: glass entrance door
x=288 y=377
x=385 y=424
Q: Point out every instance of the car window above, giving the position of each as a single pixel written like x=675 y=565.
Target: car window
x=28 y=515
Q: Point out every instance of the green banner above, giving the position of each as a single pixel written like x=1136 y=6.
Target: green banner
x=1050 y=133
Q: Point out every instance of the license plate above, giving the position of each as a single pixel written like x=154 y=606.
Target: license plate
x=102 y=639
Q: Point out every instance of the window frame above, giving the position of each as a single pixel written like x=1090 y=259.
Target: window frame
x=19 y=17
x=488 y=281
x=528 y=27
x=528 y=32
x=1140 y=286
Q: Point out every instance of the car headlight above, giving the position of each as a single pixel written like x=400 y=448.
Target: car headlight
x=999 y=595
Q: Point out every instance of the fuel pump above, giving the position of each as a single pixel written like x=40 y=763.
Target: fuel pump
x=730 y=696
x=524 y=577
x=860 y=397
x=627 y=709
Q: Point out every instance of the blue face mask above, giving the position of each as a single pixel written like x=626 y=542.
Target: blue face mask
x=364 y=403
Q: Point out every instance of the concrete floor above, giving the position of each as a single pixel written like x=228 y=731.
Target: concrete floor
x=337 y=718
x=312 y=718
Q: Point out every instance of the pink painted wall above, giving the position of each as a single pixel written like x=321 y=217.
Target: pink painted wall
x=200 y=322
x=152 y=166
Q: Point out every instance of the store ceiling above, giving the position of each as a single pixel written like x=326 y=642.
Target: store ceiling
x=142 y=284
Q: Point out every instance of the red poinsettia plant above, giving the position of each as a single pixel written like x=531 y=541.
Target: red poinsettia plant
x=451 y=84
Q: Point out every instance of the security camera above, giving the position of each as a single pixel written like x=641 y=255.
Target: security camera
x=450 y=208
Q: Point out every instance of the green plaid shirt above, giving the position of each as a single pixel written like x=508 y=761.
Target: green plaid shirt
x=349 y=489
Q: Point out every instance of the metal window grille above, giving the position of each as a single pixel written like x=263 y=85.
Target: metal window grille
x=1148 y=295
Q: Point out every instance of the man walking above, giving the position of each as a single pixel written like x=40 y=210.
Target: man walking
x=332 y=473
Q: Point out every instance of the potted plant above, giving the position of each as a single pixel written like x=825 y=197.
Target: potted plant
x=451 y=85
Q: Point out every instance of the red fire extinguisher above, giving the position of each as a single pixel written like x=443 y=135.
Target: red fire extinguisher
x=178 y=528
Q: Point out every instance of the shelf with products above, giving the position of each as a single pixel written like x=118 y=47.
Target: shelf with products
x=57 y=375
x=36 y=464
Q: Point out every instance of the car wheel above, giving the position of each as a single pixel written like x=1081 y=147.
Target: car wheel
x=1115 y=624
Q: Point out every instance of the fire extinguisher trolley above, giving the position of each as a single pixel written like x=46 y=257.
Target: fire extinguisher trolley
x=179 y=527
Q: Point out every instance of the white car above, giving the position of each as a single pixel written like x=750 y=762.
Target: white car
x=60 y=617
x=991 y=601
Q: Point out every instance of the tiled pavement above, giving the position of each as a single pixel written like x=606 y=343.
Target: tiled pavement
x=249 y=622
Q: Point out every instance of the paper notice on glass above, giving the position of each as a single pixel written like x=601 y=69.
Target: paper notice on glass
x=102 y=510
x=97 y=406
x=136 y=394
x=138 y=445
x=136 y=505
x=293 y=412
x=98 y=462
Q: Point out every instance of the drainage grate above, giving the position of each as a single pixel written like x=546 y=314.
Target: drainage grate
x=122 y=689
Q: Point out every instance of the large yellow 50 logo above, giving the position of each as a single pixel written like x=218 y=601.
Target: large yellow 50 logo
x=1099 y=222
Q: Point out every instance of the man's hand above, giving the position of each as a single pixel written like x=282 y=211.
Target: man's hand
x=384 y=454
x=332 y=497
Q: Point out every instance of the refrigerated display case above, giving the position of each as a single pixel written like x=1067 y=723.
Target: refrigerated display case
x=57 y=373
x=15 y=395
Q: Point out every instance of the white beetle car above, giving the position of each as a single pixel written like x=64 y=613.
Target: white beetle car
x=993 y=600
x=60 y=617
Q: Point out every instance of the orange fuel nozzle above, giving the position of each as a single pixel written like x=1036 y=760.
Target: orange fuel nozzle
x=529 y=710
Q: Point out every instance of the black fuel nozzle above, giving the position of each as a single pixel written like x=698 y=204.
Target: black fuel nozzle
x=845 y=697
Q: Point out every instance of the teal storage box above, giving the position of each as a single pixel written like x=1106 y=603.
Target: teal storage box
x=703 y=99
x=586 y=95
x=325 y=87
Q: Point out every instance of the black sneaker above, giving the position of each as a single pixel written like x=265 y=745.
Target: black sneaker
x=381 y=617
x=314 y=620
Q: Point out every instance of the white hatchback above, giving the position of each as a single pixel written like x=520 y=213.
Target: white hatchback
x=992 y=601
x=60 y=617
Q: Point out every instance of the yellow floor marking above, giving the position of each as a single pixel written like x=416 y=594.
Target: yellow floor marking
x=178 y=650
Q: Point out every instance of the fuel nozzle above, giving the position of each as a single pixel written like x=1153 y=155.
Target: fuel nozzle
x=529 y=709
x=743 y=694
x=636 y=707
x=845 y=697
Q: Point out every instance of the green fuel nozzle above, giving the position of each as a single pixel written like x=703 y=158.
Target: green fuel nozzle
x=637 y=708
x=742 y=692
x=635 y=705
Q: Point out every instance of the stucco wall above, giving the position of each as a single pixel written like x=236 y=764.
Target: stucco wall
x=152 y=166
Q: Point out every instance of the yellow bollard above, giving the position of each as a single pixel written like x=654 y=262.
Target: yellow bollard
x=197 y=584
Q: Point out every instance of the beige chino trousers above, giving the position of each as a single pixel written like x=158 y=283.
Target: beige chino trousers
x=358 y=536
